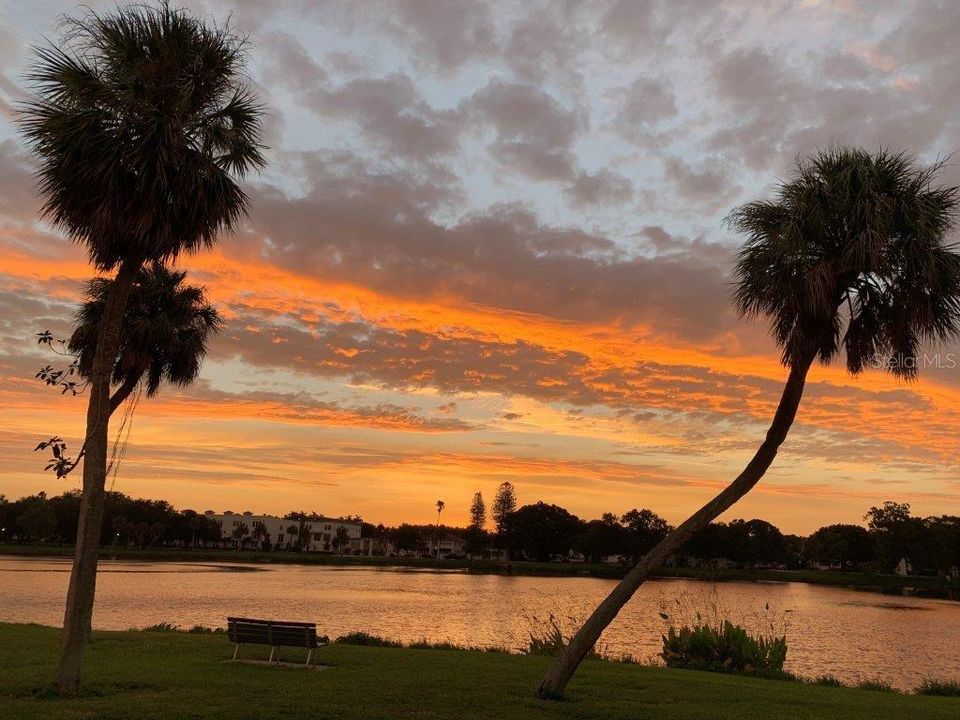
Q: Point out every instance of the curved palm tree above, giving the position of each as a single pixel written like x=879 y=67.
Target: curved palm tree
x=141 y=124
x=849 y=256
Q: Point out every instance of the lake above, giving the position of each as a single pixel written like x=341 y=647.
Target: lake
x=852 y=635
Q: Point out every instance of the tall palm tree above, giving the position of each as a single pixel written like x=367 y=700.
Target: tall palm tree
x=141 y=124
x=440 y=506
x=849 y=256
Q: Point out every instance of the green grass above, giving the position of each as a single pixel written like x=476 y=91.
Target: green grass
x=873 y=582
x=175 y=675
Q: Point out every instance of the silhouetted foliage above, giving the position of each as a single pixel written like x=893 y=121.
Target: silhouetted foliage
x=542 y=532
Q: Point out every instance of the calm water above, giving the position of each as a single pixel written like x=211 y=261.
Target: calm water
x=848 y=634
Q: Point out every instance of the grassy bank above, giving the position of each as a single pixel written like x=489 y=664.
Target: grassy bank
x=174 y=675
x=873 y=582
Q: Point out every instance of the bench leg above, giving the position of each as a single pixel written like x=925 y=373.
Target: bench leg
x=309 y=656
x=236 y=651
x=273 y=649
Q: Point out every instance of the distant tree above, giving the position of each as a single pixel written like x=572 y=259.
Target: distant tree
x=603 y=538
x=141 y=531
x=158 y=531
x=440 y=506
x=341 y=540
x=840 y=544
x=644 y=529
x=408 y=538
x=240 y=533
x=293 y=531
x=504 y=504
x=943 y=541
x=897 y=534
x=756 y=541
x=259 y=533
x=476 y=535
x=38 y=520
x=543 y=531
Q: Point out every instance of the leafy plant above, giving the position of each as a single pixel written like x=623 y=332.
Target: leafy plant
x=163 y=627
x=723 y=647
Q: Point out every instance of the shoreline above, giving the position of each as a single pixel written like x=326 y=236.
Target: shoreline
x=926 y=587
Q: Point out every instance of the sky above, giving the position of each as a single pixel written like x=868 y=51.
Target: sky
x=489 y=246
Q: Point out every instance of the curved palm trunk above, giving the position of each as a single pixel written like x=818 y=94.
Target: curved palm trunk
x=566 y=664
x=83 y=578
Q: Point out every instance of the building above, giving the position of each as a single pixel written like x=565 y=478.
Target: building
x=250 y=531
x=450 y=546
x=371 y=547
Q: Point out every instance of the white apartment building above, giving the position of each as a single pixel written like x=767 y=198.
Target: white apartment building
x=281 y=532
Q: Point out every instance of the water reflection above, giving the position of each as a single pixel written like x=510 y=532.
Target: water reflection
x=850 y=635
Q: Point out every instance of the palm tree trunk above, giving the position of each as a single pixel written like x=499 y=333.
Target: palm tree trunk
x=83 y=578
x=569 y=660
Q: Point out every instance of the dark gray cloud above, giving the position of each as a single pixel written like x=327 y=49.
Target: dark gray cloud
x=535 y=133
x=604 y=187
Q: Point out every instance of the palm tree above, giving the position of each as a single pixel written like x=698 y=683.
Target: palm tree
x=440 y=506
x=292 y=531
x=850 y=255
x=141 y=124
x=165 y=330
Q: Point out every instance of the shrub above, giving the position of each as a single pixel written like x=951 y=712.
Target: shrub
x=946 y=688
x=362 y=638
x=203 y=630
x=162 y=627
x=723 y=647
x=878 y=685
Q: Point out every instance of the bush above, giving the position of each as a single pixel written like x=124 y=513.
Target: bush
x=366 y=639
x=878 y=685
x=945 y=688
x=162 y=627
x=723 y=647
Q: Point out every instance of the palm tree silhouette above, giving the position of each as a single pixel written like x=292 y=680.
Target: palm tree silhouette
x=141 y=123
x=850 y=255
x=165 y=330
x=440 y=506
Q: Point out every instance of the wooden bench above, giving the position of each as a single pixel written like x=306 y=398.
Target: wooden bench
x=275 y=633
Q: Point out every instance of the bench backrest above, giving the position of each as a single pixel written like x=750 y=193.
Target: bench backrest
x=272 y=632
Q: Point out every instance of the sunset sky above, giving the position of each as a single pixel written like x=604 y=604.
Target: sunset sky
x=489 y=245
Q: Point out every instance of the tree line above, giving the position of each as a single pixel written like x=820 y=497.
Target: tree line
x=537 y=532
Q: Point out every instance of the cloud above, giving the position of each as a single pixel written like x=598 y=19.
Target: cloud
x=534 y=132
x=604 y=187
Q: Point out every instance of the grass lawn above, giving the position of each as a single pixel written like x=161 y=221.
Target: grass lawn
x=141 y=674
